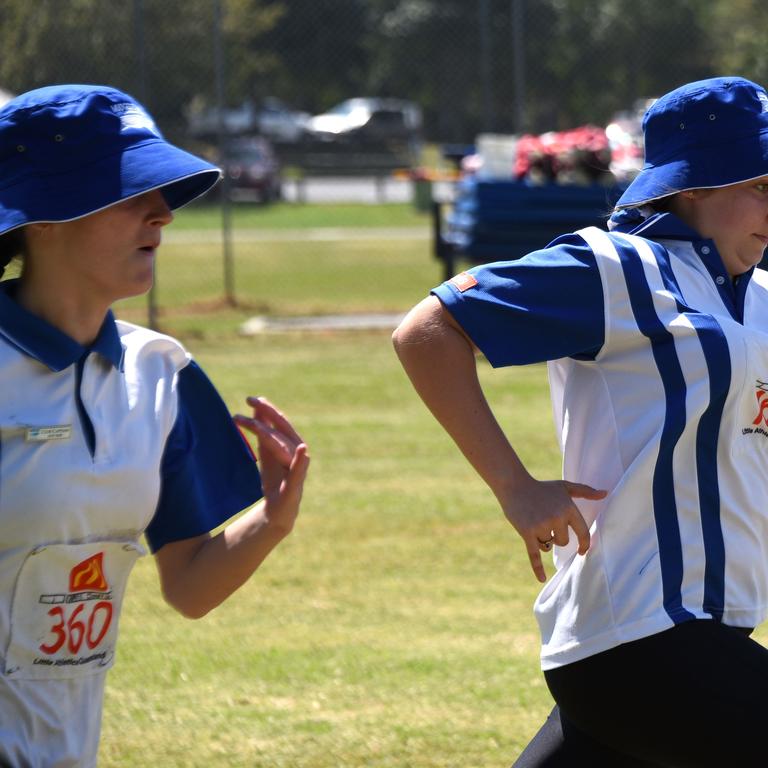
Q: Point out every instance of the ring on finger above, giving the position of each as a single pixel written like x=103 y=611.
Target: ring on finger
x=545 y=544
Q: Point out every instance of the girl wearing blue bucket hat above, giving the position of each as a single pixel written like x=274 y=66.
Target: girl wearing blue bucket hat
x=656 y=338
x=108 y=431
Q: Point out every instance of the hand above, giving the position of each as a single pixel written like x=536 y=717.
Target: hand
x=543 y=512
x=283 y=461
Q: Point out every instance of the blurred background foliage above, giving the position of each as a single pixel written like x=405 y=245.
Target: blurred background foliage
x=490 y=65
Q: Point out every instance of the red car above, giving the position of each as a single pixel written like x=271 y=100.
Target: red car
x=253 y=171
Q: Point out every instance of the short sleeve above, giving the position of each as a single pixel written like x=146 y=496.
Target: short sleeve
x=208 y=471
x=544 y=306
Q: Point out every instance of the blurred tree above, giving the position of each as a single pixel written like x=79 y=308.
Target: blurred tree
x=319 y=45
x=740 y=40
x=424 y=50
x=159 y=51
x=159 y=57
x=249 y=61
x=45 y=42
x=583 y=59
x=589 y=56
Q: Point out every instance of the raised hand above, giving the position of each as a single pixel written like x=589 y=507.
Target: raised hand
x=283 y=461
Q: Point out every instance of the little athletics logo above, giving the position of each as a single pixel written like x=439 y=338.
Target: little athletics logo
x=83 y=626
x=760 y=422
x=132 y=116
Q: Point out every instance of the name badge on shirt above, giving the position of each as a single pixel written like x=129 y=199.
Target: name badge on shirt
x=42 y=434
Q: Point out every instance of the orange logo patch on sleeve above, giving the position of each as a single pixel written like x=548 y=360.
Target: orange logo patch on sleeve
x=89 y=575
x=463 y=281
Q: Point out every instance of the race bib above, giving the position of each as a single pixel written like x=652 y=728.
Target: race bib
x=66 y=607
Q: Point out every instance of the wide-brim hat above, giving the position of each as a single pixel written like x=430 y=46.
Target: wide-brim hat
x=707 y=134
x=67 y=151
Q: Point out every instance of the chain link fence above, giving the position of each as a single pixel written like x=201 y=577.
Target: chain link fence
x=207 y=69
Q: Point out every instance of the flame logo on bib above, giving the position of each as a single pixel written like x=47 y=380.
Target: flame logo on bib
x=88 y=576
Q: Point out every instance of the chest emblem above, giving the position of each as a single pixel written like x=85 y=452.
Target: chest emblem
x=759 y=422
x=89 y=575
x=761 y=393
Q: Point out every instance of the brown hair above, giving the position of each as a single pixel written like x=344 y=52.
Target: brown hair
x=12 y=245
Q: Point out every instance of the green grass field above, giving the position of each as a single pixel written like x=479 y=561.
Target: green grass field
x=298 y=216
x=394 y=627
x=283 y=276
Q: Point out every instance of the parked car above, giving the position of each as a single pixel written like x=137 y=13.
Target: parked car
x=207 y=122
x=253 y=171
x=279 y=122
x=371 y=120
x=273 y=119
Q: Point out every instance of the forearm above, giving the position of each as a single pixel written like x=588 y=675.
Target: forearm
x=199 y=574
x=440 y=363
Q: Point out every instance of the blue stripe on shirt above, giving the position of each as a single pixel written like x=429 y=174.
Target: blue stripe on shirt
x=673 y=381
x=718 y=359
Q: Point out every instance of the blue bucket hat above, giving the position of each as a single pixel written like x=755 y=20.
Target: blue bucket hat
x=67 y=151
x=710 y=133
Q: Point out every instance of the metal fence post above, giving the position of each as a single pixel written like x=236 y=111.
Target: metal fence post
x=226 y=205
x=486 y=57
x=518 y=63
x=142 y=95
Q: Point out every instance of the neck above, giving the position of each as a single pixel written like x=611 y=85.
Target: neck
x=73 y=314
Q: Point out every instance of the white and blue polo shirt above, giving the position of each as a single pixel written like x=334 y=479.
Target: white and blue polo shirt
x=658 y=367
x=98 y=446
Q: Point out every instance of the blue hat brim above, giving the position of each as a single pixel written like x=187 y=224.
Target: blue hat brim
x=139 y=168
x=739 y=161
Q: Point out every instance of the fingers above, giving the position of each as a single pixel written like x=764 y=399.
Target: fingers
x=275 y=433
x=546 y=515
x=580 y=528
x=268 y=413
x=545 y=544
x=297 y=473
x=538 y=567
x=535 y=544
x=282 y=499
x=270 y=439
x=581 y=491
x=560 y=533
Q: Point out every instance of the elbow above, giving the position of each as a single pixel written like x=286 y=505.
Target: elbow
x=411 y=330
x=398 y=338
x=189 y=607
x=425 y=321
x=194 y=612
x=404 y=343
x=399 y=334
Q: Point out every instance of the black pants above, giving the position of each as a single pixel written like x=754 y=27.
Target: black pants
x=695 y=696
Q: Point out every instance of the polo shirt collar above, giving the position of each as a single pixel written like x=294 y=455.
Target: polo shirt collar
x=42 y=341
x=657 y=226
x=667 y=226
